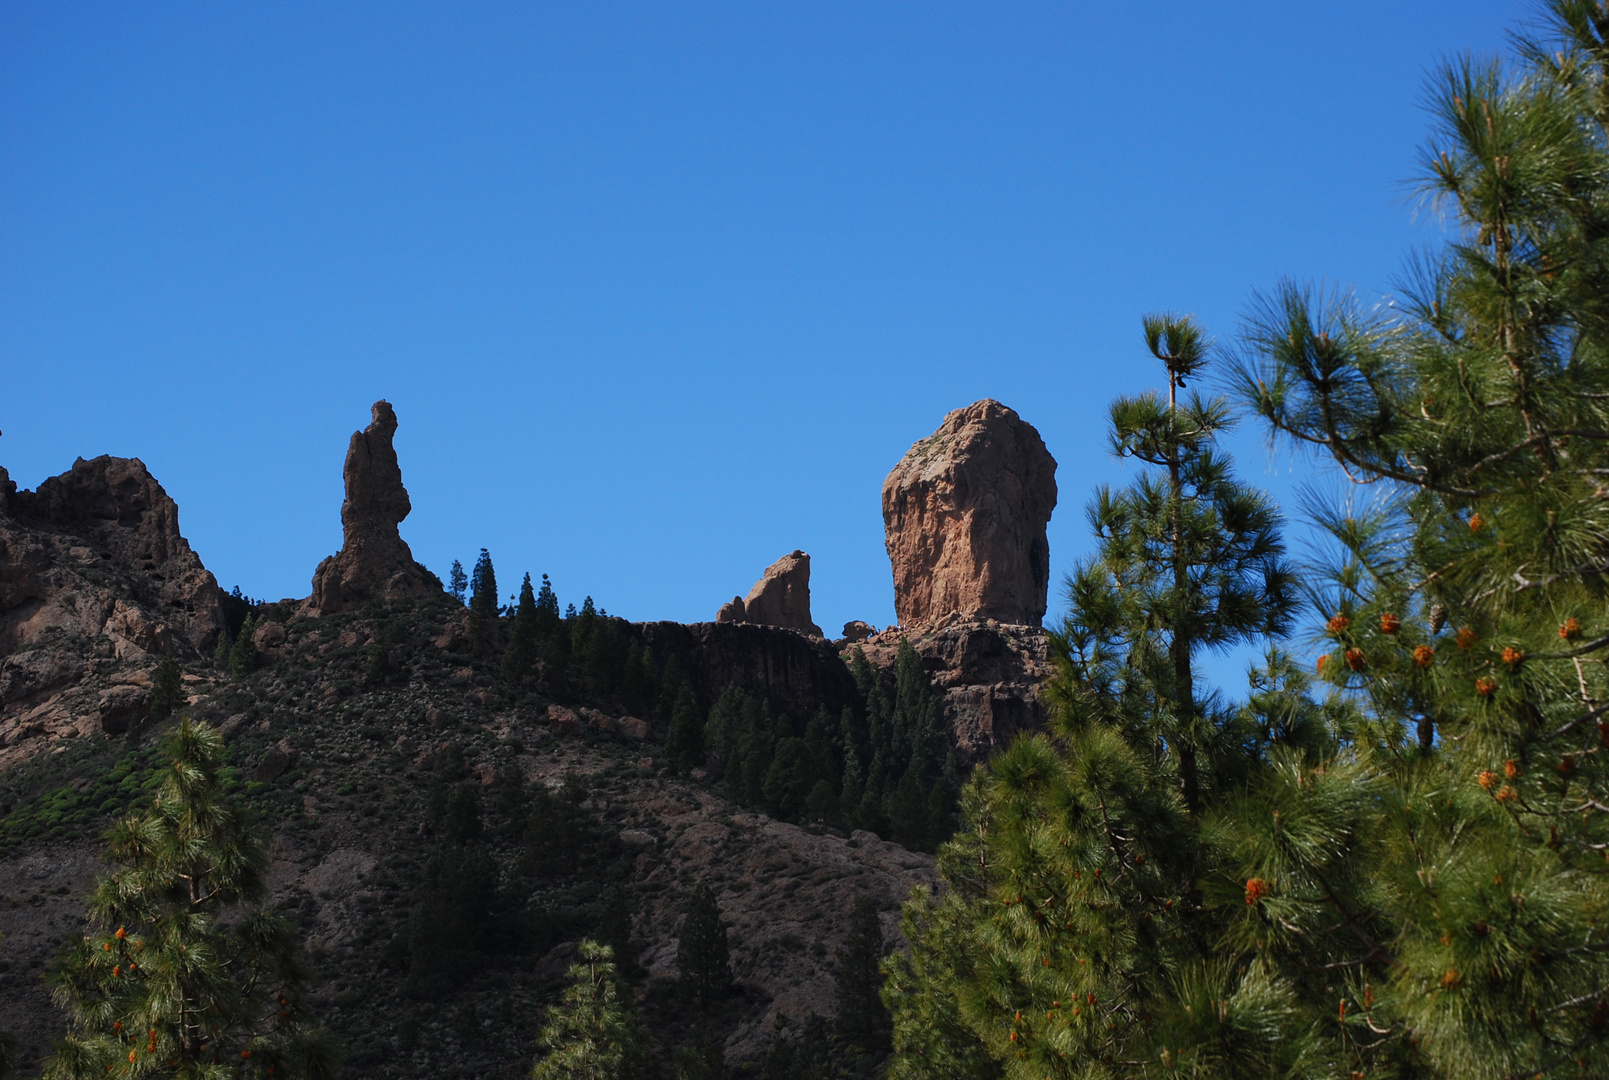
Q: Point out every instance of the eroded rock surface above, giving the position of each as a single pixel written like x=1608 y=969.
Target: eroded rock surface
x=96 y=553
x=989 y=675
x=780 y=598
x=964 y=516
x=374 y=562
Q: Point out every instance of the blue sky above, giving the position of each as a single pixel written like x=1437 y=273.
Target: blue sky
x=661 y=291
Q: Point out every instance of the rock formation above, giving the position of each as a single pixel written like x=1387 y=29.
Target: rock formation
x=799 y=673
x=964 y=516
x=988 y=675
x=374 y=562
x=780 y=598
x=97 y=552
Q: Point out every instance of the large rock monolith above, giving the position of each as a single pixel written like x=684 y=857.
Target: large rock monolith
x=374 y=562
x=780 y=598
x=964 y=516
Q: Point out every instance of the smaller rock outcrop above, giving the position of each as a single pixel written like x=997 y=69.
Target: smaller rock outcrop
x=964 y=515
x=780 y=598
x=856 y=630
x=374 y=562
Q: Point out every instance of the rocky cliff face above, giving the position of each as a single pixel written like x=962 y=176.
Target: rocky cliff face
x=780 y=598
x=96 y=552
x=964 y=515
x=988 y=673
x=801 y=673
x=374 y=562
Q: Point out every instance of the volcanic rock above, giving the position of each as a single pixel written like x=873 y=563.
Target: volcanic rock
x=964 y=516
x=374 y=562
x=780 y=598
x=97 y=552
x=988 y=676
x=856 y=630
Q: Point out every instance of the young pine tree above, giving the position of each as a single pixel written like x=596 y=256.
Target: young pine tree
x=457 y=582
x=167 y=689
x=702 y=957
x=684 y=745
x=483 y=603
x=523 y=646
x=863 y=1021
x=182 y=974
x=1078 y=887
x=243 y=656
x=592 y=1033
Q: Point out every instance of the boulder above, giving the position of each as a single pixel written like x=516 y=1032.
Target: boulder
x=964 y=517
x=856 y=630
x=374 y=562
x=780 y=598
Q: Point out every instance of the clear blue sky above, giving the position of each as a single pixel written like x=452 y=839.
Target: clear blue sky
x=660 y=292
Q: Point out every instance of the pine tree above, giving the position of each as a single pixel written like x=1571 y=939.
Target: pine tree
x=1463 y=824
x=457 y=582
x=523 y=643
x=702 y=957
x=220 y=651
x=483 y=609
x=548 y=621
x=1078 y=887
x=243 y=657
x=167 y=689
x=164 y=984
x=592 y=1033
x=684 y=745
x=863 y=1020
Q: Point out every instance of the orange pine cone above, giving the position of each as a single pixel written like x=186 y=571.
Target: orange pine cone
x=1423 y=655
x=1485 y=687
x=1337 y=624
x=1466 y=637
x=1511 y=770
x=1571 y=629
x=1475 y=522
x=1256 y=889
x=1488 y=779
x=1389 y=623
x=1512 y=656
x=1354 y=659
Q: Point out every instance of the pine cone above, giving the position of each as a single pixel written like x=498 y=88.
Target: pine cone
x=1438 y=618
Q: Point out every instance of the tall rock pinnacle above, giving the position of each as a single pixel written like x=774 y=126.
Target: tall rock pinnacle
x=964 y=516
x=374 y=562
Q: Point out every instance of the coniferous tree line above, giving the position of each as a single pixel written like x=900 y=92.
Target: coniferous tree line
x=886 y=767
x=889 y=770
